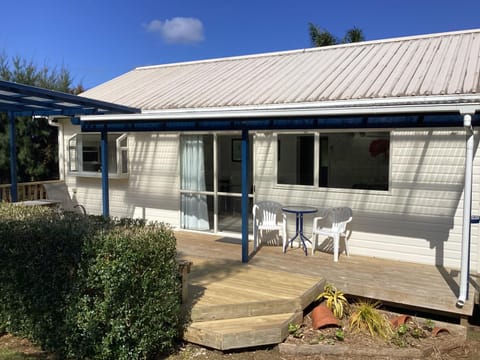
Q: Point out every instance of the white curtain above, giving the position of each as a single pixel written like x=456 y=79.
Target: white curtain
x=194 y=206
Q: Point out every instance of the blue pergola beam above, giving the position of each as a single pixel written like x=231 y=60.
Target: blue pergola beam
x=21 y=102
x=24 y=96
x=341 y=122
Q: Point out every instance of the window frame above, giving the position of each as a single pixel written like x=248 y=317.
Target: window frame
x=75 y=162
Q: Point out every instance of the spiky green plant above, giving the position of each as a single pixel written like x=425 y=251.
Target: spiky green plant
x=365 y=317
x=335 y=300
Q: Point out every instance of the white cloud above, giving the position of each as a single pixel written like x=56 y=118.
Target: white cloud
x=178 y=30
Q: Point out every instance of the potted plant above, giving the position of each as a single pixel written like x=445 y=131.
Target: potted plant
x=332 y=307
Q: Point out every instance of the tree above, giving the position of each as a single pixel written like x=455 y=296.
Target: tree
x=321 y=37
x=354 y=35
x=37 y=142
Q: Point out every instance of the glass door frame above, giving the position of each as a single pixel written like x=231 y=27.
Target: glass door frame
x=216 y=193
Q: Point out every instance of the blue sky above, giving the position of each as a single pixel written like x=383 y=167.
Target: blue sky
x=98 y=40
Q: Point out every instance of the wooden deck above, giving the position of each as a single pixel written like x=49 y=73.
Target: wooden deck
x=230 y=302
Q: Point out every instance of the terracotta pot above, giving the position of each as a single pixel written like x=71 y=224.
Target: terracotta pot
x=323 y=316
x=438 y=330
x=399 y=320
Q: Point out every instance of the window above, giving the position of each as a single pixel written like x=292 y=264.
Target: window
x=84 y=155
x=355 y=160
x=295 y=159
x=346 y=160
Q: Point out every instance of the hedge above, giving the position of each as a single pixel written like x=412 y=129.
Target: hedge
x=39 y=253
x=85 y=287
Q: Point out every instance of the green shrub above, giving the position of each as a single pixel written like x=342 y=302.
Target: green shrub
x=127 y=300
x=87 y=287
x=39 y=253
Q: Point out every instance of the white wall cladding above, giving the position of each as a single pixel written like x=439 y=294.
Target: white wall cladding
x=418 y=220
x=152 y=189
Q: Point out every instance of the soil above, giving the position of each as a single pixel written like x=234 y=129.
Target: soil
x=21 y=346
x=413 y=338
x=307 y=335
x=467 y=350
x=447 y=345
x=453 y=342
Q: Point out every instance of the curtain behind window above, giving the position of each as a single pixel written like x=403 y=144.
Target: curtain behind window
x=194 y=206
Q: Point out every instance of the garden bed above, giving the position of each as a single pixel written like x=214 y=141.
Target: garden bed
x=418 y=339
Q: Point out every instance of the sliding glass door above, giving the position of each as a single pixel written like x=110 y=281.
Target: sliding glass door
x=211 y=182
x=229 y=170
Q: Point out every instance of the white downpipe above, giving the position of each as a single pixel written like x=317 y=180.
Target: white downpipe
x=467 y=213
x=53 y=121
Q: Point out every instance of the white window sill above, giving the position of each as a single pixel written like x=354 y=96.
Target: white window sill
x=98 y=175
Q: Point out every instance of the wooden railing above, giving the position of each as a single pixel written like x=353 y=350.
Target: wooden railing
x=25 y=191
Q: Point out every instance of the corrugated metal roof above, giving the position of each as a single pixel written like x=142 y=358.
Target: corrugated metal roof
x=429 y=65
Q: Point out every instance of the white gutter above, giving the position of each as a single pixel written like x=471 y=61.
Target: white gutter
x=445 y=103
x=467 y=213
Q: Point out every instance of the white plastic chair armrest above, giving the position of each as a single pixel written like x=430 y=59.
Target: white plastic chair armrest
x=315 y=222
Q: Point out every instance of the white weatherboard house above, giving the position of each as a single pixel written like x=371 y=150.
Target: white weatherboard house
x=385 y=127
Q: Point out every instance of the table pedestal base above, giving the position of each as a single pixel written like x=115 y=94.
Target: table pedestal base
x=298 y=234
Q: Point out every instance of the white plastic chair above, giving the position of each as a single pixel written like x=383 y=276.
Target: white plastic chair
x=58 y=191
x=268 y=216
x=333 y=225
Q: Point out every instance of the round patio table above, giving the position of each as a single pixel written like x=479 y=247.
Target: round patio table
x=299 y=211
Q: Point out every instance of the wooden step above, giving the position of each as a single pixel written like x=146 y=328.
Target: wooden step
x=233 y=306
x=242 y=332
x=251 y=293
x=234 y=311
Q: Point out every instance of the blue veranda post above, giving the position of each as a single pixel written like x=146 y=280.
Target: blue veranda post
x=13 y=157
x=104 y=158
x=245 y=210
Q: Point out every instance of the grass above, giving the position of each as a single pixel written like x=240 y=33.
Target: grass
x=15 y=348
x=13 y=355
x=6 y=354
